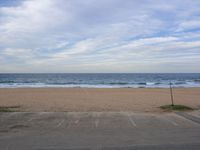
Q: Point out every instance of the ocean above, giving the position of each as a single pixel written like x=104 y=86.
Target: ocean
x=100 y=80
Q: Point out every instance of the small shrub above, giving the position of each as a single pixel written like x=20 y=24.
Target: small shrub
x=9 y=108
x=175 y=107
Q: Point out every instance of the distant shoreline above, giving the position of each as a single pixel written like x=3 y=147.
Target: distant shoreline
x=93 y=87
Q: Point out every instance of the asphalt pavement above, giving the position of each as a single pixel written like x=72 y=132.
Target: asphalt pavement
x=99 y=131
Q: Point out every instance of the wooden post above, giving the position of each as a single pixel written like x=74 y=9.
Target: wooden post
x=171 y=92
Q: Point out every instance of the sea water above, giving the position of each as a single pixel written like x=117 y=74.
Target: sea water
x=100 y=80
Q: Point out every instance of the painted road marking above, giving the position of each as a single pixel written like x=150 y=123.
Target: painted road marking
x=189 y=117
x=77 y=121
x=96 y=123
x=131 y=120
x=171 y=121
x=60 y=123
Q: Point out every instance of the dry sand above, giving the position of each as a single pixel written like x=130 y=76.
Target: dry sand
x=88 y=99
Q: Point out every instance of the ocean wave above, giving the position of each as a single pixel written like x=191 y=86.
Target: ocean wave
x=117 y=83
x=179 y=83
x=157 y=83
x=142 y=83
x=89 y=84
x=9 y=81
x=196 y=80
x=61 y=83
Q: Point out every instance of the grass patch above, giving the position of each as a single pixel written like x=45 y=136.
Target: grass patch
x=9 y=108
x=175 y=107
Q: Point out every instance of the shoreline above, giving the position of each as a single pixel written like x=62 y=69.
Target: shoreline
x=57 y=87
x=96 y=99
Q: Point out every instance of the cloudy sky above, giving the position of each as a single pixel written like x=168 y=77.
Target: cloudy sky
x=99 y=36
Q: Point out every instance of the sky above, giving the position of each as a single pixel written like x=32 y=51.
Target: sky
x=99 y=36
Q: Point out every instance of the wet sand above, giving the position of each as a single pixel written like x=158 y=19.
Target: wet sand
x=93 y=99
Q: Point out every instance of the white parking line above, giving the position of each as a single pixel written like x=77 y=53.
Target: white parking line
x=60 y=123
x=29 y=120
x=172 y=122
x=36 y=116
x=131 y=120
x=96 y=123
x=77 y=121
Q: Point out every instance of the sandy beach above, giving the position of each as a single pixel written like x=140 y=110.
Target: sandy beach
x=91 y=99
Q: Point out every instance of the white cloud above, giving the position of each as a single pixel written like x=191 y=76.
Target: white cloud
x=189 y=25
x=78 y=36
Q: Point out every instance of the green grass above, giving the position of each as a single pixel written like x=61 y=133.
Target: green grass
x=175 y=107
x=9 y=108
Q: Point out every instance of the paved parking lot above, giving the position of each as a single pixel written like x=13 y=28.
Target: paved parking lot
x=99 y=130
